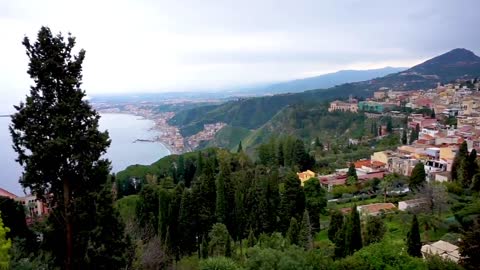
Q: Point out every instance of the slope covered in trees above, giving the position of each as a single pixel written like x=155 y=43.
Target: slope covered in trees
x=252 y=113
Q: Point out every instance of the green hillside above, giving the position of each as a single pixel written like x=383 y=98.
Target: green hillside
x=252 y=113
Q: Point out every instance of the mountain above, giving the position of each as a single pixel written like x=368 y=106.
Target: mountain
x=328 y=80
x=252 y=113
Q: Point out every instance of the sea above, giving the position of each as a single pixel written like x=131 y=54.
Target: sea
x=123 y=129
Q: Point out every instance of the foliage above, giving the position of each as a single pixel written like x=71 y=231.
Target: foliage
x=469 y=248
x=417 y=178
x=219 y=238
x=5 y=245
x=375 y=229
x=353 y=232
x=218 y=263
x=382 y=255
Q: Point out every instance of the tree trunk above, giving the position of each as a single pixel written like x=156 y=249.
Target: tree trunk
x=68 y=226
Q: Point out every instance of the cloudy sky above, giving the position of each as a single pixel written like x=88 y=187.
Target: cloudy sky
x=147 y=45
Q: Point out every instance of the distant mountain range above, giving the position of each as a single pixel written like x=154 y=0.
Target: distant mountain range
x=325 y=81
x=252 y=113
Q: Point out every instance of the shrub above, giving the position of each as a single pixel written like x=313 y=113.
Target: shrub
x=218 y=263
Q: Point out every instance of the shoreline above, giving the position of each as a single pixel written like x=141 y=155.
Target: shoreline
x=155 y=128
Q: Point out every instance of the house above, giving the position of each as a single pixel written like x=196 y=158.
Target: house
x=442 y=249
x=375 y=208
x=304 y=176
x=5 y=193
x=35 y=207
x=405 y=205
x=338 y=105
x=378 y=107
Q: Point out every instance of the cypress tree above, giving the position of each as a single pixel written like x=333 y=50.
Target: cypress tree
x=280 y=154
x=414 y=244
x=251 y=241
x=220 y=209
x=432 y=115
x=404 y=136
x=336 y=224
x=305 y=235
x=341 y=248
x=240 y=147
x=228 y=247
x=292 y=200
x=204 y=248
x=352 y=172
x=293 y=232
x=55 y=133
x=354 y=232
x=187 y=223
x=472 y=167
x=375 y=230
x=413 y=136
x=389 y=125
x=315 y=201
x=460 y=165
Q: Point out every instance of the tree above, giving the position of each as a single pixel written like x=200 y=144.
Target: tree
x=292 y=200
x=336 y=223
x=251 y=240
x=389 y=126
x=305 y=234
x=315 y=201
x=375 y=230
x=218 y=263
x=404 y=136
x=218 y=236
x=386 y=184
x=221 y=204
x=341 y=245
x=432 y=115
x=5 y=245
x=413 y=136
x=188 y=223
x=293 y=232
x=417 y=178
x=107 y=246
x=460 y=165
x=55 y=134
x=469 y=247
x=240 y=147
x=414 y=244
x=352 y=172
x=472 y=167
x=147 y=210
x=354 y=232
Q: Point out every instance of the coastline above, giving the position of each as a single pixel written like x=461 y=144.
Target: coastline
x=155 y=127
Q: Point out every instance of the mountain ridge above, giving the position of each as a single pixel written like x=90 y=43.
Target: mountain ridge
x=251 y=113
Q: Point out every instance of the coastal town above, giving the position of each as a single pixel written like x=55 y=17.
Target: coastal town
x=168 y=135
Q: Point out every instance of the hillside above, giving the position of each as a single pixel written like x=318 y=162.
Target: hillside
x=252 y=113
x=329 y=80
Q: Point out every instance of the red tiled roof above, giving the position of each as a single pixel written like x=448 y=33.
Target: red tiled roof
x=8 y=194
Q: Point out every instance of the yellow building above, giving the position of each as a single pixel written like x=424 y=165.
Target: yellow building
x=304 y=176
x=381 y=156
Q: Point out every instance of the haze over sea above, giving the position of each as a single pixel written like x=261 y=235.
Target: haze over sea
x=123 y=130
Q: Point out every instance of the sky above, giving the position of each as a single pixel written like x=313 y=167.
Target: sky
x=189 y=45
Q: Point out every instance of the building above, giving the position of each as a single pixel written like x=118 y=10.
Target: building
x=375 y=208
x=304 y=176
x=405 y=205
x=35 y=207
x=5 y=193
x=377 y=107
x=442 y=249
x=343 y=106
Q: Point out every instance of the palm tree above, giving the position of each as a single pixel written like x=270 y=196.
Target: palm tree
x=386 y=184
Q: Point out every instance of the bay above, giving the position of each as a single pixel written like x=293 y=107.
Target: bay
x=123 y=129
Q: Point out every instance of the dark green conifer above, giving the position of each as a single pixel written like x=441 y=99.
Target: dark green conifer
x=414 y=244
